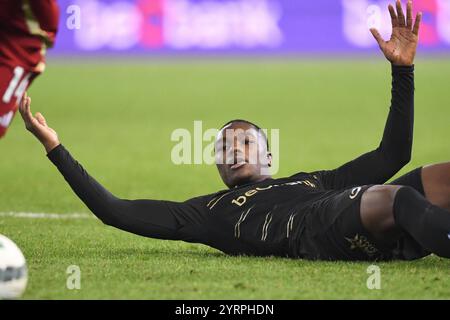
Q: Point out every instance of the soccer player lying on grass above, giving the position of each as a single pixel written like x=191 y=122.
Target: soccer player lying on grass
x=341 y=214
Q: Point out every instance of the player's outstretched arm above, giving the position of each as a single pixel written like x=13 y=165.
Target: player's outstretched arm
x=151 y=218
x=394 y=151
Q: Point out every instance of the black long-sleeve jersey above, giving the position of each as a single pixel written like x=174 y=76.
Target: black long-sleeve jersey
x=263 y=218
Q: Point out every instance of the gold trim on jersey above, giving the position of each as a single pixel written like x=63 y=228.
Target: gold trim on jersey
x=216 y=199
x=242 y=199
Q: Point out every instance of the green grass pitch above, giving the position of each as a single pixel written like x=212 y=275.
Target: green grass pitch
x=116 y=118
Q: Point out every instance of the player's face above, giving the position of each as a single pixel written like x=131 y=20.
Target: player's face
x=241 y=154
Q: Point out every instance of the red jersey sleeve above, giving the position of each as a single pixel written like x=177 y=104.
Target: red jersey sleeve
x=46 y=13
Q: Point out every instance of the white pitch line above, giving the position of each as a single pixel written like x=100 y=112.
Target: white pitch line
x=43 y=215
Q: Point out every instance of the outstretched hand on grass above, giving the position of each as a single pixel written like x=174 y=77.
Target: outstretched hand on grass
x=401 y=48
x=37 y=125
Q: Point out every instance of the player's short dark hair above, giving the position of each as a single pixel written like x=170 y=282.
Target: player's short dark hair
x=250 y=123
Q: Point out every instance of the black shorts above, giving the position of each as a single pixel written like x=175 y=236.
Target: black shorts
x=333 y=228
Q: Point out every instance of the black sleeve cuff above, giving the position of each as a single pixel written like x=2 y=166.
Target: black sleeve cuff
x=402 y=69
x=56 y=153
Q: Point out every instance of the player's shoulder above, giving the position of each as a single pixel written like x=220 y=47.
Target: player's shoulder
x=203 y=200
x=302 y=174
x=314 y=177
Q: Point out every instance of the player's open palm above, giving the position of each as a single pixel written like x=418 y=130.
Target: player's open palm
x=401 y=48
x=37 y=125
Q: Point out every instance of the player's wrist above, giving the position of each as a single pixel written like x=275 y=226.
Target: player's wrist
x=399 y=64
x=50 y=145
x=402 y=68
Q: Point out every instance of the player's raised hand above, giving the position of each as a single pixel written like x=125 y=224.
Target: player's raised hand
x=37 y=125
x=401 y=48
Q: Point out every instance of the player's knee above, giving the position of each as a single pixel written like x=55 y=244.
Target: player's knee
x=446 y=173
x=437 y=173
x=377 y=208
x=446 y=192
x=436 y=184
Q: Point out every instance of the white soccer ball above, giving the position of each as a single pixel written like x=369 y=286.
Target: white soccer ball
x=13 y=270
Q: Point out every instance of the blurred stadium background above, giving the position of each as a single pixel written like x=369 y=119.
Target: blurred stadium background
x=125 y=75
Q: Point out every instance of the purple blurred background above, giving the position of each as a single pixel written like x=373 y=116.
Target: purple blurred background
x=237 y=26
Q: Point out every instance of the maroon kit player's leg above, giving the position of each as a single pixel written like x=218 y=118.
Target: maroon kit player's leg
x=14 y=81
